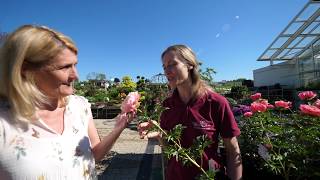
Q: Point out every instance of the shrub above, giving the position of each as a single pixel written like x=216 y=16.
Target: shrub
x=280 y=141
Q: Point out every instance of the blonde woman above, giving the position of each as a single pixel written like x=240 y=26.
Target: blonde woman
x=202 y=112
x=46 y=132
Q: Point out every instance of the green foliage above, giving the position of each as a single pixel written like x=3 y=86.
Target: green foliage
x=187 y=156
x=311 y=86
x=282 y=142
x=175 y=133
x=127 y=85
x=141 y=83
x=239 y=92
x=231 y=101
x=207 y=75
x=210 y=174
x=100 y=95
x=151 y=101
x=225 y=87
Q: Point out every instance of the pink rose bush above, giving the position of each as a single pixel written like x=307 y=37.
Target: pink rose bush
x=279 y=139
x=312 y=107
x=131 y=102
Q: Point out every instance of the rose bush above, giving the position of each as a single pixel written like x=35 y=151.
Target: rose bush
x=282 y=142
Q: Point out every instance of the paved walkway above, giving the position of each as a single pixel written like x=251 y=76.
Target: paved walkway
x=131 y=158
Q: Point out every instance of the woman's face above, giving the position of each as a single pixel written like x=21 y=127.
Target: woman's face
x=175 y=70
x=56 y=79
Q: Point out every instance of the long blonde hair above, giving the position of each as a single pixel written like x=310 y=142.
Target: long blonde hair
x=27 y=48
x=198 y=86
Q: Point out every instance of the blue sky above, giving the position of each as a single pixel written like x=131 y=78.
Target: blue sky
x=127 y=37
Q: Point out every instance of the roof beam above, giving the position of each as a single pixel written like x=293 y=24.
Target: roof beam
x=297 y=33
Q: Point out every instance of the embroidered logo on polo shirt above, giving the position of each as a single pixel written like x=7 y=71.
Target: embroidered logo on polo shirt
x=202 y=125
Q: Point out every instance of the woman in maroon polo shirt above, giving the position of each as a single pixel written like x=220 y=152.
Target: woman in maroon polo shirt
x=201 y=111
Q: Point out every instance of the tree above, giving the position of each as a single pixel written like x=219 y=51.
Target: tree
x=207 y=75
x=96 y=76
x=127 y=85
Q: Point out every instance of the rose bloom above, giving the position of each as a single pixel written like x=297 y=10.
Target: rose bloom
x=310 y=110
x=131 y=103
x=283 y=104
x=317 y=103
x=258 y=107
x=255 y=96
x=270 y=106
x=307 y=95
x=263 y=101
x=247 y=114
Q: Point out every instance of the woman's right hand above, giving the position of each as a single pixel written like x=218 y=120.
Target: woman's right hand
x=144 y=128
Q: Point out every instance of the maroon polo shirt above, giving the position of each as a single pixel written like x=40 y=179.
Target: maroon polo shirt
x=208 y=115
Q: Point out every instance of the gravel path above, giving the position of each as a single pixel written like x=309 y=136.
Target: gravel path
x=130 y=158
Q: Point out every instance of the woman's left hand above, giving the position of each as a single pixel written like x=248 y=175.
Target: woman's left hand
x=123 y=119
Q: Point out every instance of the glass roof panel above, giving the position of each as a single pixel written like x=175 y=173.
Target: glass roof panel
x=292 y=53
x=306 y=41
x=295 y=41
x=279 y=42
x=268 y=54
x=303 y=30
x=316 y=31
x=282 y=53
x=306 y=53
x=293 y=27
x=317 y=43
x=310 y=28
x=309 y=11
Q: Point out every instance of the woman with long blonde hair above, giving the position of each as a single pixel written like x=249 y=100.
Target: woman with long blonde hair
x=46 y=132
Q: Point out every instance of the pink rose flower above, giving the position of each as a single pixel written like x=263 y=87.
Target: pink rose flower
x=264 y=101
x=248 y=114
x=258 y=107
x=283 y=104
x=255 y=96
x=307 y=95
x=317 y=103
x=270 y=106
x=311 y=110
x=131 y=103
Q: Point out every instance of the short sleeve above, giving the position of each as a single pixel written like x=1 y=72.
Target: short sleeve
x=86 y=106
x=223 y=114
